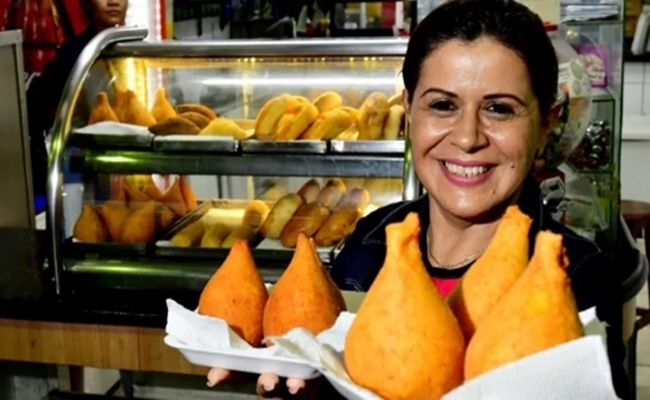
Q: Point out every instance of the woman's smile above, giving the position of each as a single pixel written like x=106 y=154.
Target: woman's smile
x=466 y=173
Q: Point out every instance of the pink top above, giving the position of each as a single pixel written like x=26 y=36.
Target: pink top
x=445 y=285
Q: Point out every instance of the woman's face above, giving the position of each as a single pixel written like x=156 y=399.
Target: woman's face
x=476 y=126
x=109 y=13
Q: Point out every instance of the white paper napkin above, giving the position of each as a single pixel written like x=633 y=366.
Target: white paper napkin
x=114 y=128
x=573 y=371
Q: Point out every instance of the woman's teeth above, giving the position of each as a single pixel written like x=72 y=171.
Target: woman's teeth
x=467 y=172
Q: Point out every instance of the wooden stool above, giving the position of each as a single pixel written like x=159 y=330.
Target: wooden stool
x=637 y=218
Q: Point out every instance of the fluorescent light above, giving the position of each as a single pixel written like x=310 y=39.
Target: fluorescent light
x=342 y=81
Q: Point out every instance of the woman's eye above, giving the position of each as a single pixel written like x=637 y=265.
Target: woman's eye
x=502 y=110
x=443 y=106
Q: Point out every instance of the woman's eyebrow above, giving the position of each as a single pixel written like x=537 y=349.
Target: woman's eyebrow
x=440 y=91
x=506 y=95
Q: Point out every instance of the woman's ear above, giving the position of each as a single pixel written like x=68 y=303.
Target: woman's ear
x=405 y=101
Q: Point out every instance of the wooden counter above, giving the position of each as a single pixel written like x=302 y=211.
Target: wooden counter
x=100 y=346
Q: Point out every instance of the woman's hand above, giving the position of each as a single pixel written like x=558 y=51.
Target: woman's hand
x=268 y=385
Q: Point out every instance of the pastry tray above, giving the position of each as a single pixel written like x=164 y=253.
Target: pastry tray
x=110 y=141
x=195 y=144
x=284 y=147
x=395 y=147
x=76 y=249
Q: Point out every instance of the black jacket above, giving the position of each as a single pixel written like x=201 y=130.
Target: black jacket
x=594 y=278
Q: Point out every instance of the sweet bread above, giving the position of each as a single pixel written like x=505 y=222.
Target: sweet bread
x=191 y=235
x=175 y=126
x=310 y=191
x=280 y=215
x=214 y=235
x=224 y=127
x=328 y=101
x=270 y=114
x=255 y=214
x=197 y=108
x=357 y=197
x=329 y=125
x=393 y=122
x=301 y=120
x=331 y=194
x=243 y=232
x=337 y=227
x=395 y=100
x=371 y=116
x=308 y=220
x=199 y=120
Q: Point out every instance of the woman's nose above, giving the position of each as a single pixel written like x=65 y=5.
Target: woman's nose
x=467 y=134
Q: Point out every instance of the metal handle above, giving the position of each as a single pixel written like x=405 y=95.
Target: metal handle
x=62 y=125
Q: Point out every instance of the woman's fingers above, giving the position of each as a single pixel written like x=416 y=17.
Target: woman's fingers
x=217 y=376
x=295 y=385
x=268 y=384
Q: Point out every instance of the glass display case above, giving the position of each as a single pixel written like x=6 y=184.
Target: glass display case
x=166 y=153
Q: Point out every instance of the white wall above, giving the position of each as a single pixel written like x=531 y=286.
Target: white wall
x=635 y=151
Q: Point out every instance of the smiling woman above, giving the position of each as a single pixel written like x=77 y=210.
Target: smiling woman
x=480 y=81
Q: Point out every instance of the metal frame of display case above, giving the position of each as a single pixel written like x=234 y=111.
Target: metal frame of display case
x=168 y=267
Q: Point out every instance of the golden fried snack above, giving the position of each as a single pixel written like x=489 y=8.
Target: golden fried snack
x=255 y=214
x=135 y=196
x=307 y=220
x=191 y=235
x=280 y=215
x=270 y=114
x=328 y=101
x=197 y=108
x=393 y=122
x=90 y=227
x=310 y=191
x=243 y=232
x=164 y=217
x=175 y=126
x=214 y=235
x=357 y=197
x=150 y=189
x=188 y=195
x=329 y=125
x=395 y=100
x=337 y=227
x=224 y=127
x=162 y=109
x=135 y=113
x=371 y=116
x=140 y=225
x=102 y=111
x=199 y=119
x=173 y=198
x=113 y=214
x=305 y=116
x=119 y=103
x=331 y=194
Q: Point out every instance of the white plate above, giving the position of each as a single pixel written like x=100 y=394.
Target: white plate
x=237 y=360
x=114 y=128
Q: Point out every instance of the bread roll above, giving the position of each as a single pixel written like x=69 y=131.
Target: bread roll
x=199 y=120
x=224 y=127
x=339 y=225
x=328 y=101
x=393 y=123
x=243 y=232
x=214 y=235
x=298 y=124
x=310 y=191
x=190 y=236
x=308 y=220
x=197 y=108
x=358 y=197
x=331 y=194
x=395 y=100
x=329 y=125
x=175 y=126
x=280 y=215
x=255 y=214
x=371 y=116
x=270 y=114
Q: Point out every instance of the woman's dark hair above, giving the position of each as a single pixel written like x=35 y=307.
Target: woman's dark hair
x=506 y=21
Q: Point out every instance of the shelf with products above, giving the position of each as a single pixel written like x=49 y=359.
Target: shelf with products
x=171 y=151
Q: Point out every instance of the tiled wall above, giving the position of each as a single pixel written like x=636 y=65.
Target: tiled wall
x=636 y=89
